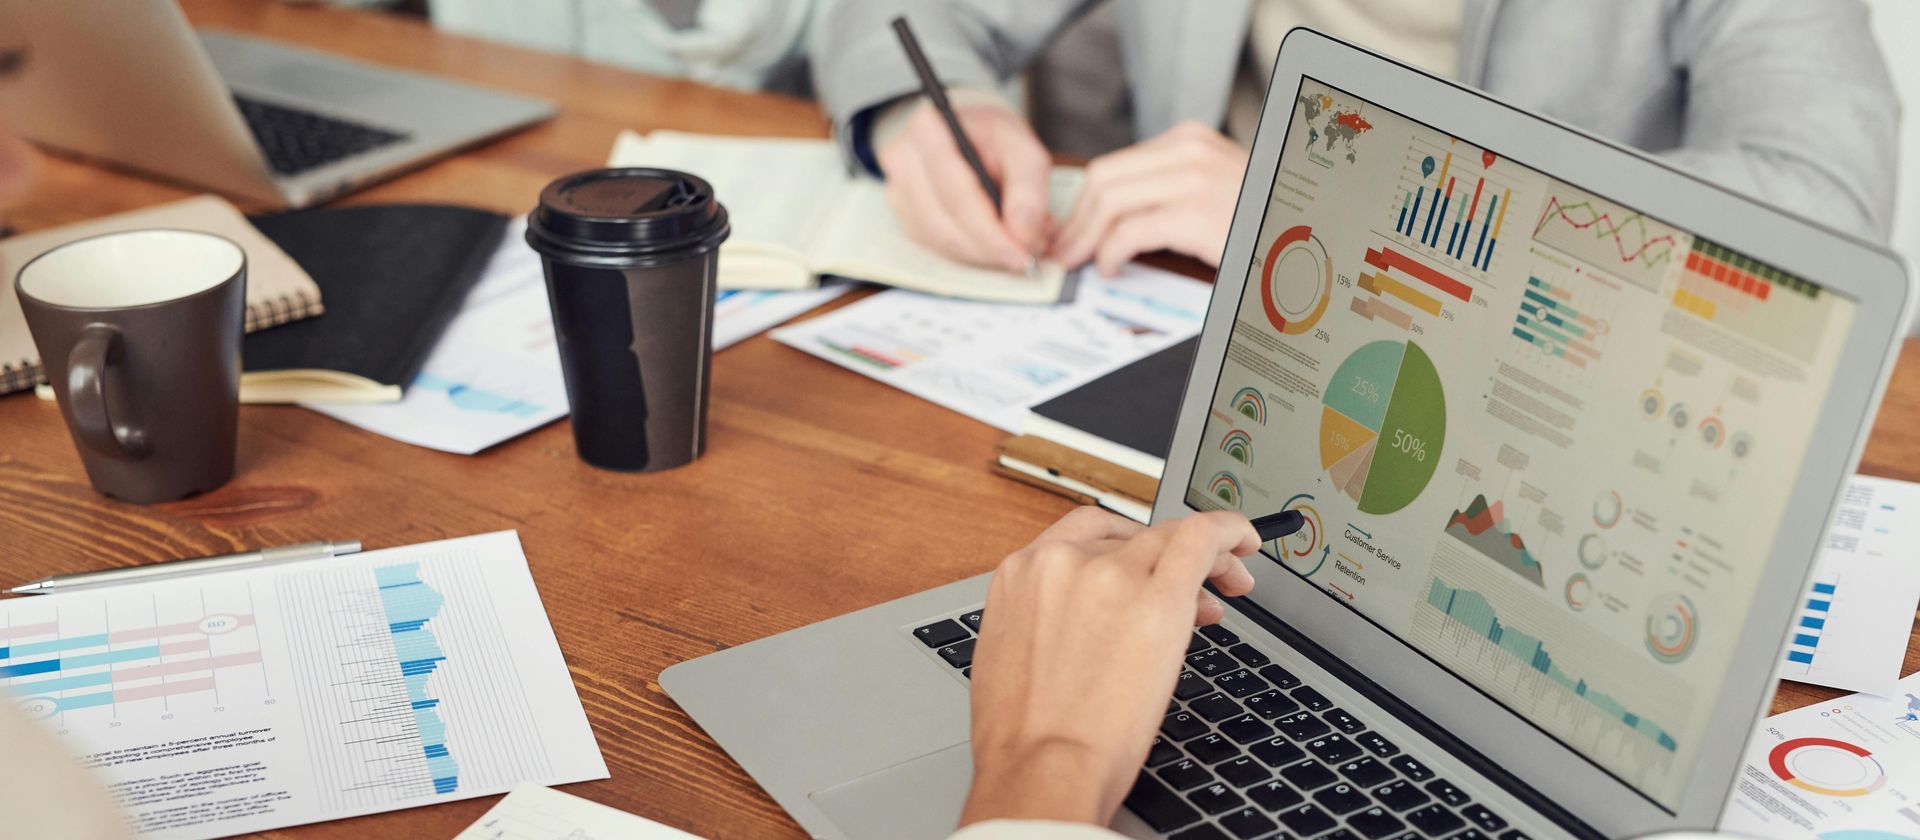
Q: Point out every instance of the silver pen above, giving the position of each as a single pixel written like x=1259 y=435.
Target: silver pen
x=170 y=568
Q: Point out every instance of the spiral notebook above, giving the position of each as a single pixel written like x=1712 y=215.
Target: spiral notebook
x=278 y=290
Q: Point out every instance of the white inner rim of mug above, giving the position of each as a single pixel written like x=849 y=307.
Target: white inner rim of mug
x=132 y=268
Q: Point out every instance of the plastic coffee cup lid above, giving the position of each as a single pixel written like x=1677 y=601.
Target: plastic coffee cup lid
x=629 y=213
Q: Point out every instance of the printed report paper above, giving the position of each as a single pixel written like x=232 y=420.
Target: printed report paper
x=254 y=699
x=532 y=812
x=495 y=374
x=1847 y=769
x=1857 y=614
x=992 y=361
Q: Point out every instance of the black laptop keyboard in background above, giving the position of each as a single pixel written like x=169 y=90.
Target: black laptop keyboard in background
x=1248 y=751
x=295 y=141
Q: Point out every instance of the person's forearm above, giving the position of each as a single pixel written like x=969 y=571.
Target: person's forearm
x=1056 y=780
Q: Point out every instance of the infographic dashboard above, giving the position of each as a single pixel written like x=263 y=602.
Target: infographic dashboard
x=1541 y=437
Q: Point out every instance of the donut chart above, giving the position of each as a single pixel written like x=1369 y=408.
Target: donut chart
x=1304 y=551
x=1296 y=279
x=1672 y=627
x=1826 y=766
x=1384 y=421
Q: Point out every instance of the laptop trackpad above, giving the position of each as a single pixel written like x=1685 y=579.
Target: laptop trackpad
x=913 y=800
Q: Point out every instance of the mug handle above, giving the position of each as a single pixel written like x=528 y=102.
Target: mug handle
x=100 y=347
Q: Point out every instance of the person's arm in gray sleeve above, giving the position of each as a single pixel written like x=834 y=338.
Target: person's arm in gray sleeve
x=1790 y=101
x=858 y=65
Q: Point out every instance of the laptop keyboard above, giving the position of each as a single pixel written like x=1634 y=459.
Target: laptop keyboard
x=295 y=141
x=1249 y=751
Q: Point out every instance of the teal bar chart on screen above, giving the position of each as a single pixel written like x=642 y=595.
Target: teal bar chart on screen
x=258 y=698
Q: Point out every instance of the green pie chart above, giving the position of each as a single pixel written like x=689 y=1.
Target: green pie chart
x=1384 y=421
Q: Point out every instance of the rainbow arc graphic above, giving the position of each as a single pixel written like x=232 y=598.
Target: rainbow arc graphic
x=1239 y=446
x=1248 y=403
x=1225 y=488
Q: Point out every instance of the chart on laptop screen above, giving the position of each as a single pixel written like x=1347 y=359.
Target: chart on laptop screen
x=1539 y=435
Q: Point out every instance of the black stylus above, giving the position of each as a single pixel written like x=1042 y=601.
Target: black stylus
x=1273 y=526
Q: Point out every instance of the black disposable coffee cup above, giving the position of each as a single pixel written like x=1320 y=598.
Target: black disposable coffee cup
x=631 y=256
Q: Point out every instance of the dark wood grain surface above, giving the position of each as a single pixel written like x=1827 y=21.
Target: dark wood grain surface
x=822 y=491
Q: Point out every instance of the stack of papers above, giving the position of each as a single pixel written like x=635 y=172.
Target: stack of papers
x=1855 y=620
x=1844 y=770
x=993 y=361
x=532 y=812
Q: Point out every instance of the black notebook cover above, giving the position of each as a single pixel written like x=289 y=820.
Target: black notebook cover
x=1135 y=406
x=391 y=277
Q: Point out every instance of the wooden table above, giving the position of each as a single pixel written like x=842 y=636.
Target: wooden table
x=822 y=491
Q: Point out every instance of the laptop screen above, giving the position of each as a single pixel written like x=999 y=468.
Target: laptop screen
x=1540 y=437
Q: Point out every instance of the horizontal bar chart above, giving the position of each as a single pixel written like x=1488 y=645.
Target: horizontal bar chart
x=1386 y=259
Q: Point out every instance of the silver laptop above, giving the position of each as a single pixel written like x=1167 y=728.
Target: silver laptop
x=1566 y=426
x=136 y=86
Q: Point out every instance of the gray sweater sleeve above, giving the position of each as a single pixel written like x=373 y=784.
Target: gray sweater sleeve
x=1791 y=101
x=858 y=64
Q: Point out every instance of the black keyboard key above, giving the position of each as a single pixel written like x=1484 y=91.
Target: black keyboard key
x=1471 y=834
x=1182 y=725
x=1248 y=823
x=1214 y=707
x=1212 y=662
x=1332 y=749
x=1280 y=677
x=1160 y=808
x=1410 y=767
x=1342 y=721
x=1376 y=744
x=1216 y=799
x=1516 y=834
x=1480 y=815
x=1275 y=795
x=1308 y=775
x=1172 y=706
x=1375 y=823
x=1401 y=795
x=1246 y=729
x=1248 y=655
x=1243 y=771
x=1312 y=698
x=972 y=619
x=1306 y=820
x=295 y=141
x=1220 y=635
x=1239 y=683
x=1277 y=752
x=1185 y=774
x=1271 y=704
x=1196 y=644
x=1191 y=685
x=1300 y=726
x=967 y=672
x=1434 y=820
x=1364 y=772
x=959 y=655
x=1212 y=748
x=1444 y=791
x=1342 y=798
x=1161 y=752
x=940 y=633
x=1341 y=834
x=1203 y=831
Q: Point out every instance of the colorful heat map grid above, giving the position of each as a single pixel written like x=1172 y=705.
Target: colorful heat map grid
x=409 y=604
x=1471 y=611
x=1466 y=214
x=65 y=669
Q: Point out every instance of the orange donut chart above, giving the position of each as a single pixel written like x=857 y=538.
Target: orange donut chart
x=1296 y=241
x=1870 y=775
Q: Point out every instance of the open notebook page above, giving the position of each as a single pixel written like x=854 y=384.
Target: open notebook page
x=864 y=241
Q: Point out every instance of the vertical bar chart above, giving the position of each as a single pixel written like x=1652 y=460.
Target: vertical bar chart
x=1452 y=213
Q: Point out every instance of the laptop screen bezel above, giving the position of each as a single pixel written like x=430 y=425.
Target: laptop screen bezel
x=1868 y=275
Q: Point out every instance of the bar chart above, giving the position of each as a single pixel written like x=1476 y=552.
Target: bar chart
x=1550 y=322
x=164 y=658
x=1451 y=205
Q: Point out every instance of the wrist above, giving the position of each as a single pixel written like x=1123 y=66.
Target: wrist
x=1054 y=779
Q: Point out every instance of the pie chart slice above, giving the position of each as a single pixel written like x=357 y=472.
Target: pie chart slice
x=1382 y=425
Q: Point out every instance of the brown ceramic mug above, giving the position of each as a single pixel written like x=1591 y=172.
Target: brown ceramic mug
x=139 y=332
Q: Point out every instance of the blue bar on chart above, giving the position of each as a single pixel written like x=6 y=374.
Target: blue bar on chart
x=1813 y=621
x=1446 y=201
x=409 y=604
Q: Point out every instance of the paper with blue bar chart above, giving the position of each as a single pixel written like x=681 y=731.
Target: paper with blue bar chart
x=253 y=699
x=1858 y=610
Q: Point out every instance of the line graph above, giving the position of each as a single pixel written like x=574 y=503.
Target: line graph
x=1607 y=236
